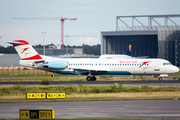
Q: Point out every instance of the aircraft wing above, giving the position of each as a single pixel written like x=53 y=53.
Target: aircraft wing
x=90 y=70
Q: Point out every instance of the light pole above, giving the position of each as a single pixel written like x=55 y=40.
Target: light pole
x=43 y=41
x=67 y=44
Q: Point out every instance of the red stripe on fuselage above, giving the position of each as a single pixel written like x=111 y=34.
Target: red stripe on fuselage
x=144 y=63
x=36 y=57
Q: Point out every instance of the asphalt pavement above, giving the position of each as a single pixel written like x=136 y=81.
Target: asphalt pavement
x=139 y=109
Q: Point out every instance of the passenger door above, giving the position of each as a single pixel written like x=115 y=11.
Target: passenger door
x=156 y=68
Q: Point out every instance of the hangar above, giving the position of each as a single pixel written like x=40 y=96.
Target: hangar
x=152 y=38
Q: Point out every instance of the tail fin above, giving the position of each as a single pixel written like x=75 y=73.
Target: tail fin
x=25 y=50
x=128 y=52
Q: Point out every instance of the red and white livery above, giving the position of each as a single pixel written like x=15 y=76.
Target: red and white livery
x=91 y=67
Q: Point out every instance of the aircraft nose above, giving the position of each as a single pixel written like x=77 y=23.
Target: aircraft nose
x=176 y=69
x=172 y=69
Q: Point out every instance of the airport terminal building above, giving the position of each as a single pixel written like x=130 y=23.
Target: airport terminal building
x=160 y=41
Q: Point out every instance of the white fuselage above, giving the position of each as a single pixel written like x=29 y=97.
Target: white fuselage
x=111 y=66
x=106 y=64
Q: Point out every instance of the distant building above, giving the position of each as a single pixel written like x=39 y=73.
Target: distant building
x=52 y=47
x=53 y=51
x=78 y=51
x=9 y=60
x=160 y=41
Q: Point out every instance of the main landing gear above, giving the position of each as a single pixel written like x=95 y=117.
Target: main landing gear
x=89 y=78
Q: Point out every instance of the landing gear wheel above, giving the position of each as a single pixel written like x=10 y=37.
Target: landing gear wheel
x=91 y=78
x=160 y=78
x=88 y=78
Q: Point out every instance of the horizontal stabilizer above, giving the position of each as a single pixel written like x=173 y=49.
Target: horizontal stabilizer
x=15 y=43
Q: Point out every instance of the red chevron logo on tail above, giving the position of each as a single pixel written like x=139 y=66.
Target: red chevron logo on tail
x=24 y=49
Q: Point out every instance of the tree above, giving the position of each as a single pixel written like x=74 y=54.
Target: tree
x=87 y=49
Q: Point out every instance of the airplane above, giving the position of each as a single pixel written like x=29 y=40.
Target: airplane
x=126 y=55
x=116 y=56
x=91 y=67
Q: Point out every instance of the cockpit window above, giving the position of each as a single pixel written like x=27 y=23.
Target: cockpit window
x=167 y=64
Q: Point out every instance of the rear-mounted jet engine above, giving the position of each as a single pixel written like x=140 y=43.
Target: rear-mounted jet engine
x=56 y=64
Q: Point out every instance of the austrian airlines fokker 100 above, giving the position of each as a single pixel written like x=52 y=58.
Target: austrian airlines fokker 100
x=91 y=67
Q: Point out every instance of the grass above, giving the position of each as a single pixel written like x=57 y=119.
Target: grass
x=17 y=93
x=80 y=89
x=86 y=119
x=123 y=95
x=45 y=82
x=98 y=97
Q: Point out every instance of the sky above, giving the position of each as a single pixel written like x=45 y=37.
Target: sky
x=93 y=17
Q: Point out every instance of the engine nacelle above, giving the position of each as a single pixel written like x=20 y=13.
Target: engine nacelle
x=56 y=64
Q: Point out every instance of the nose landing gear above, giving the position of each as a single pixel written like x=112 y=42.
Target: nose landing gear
x=160 y=78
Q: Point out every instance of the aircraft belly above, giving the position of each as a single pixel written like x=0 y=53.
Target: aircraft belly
x=134 y=70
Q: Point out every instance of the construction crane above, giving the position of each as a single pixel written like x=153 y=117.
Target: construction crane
x=50 y=18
